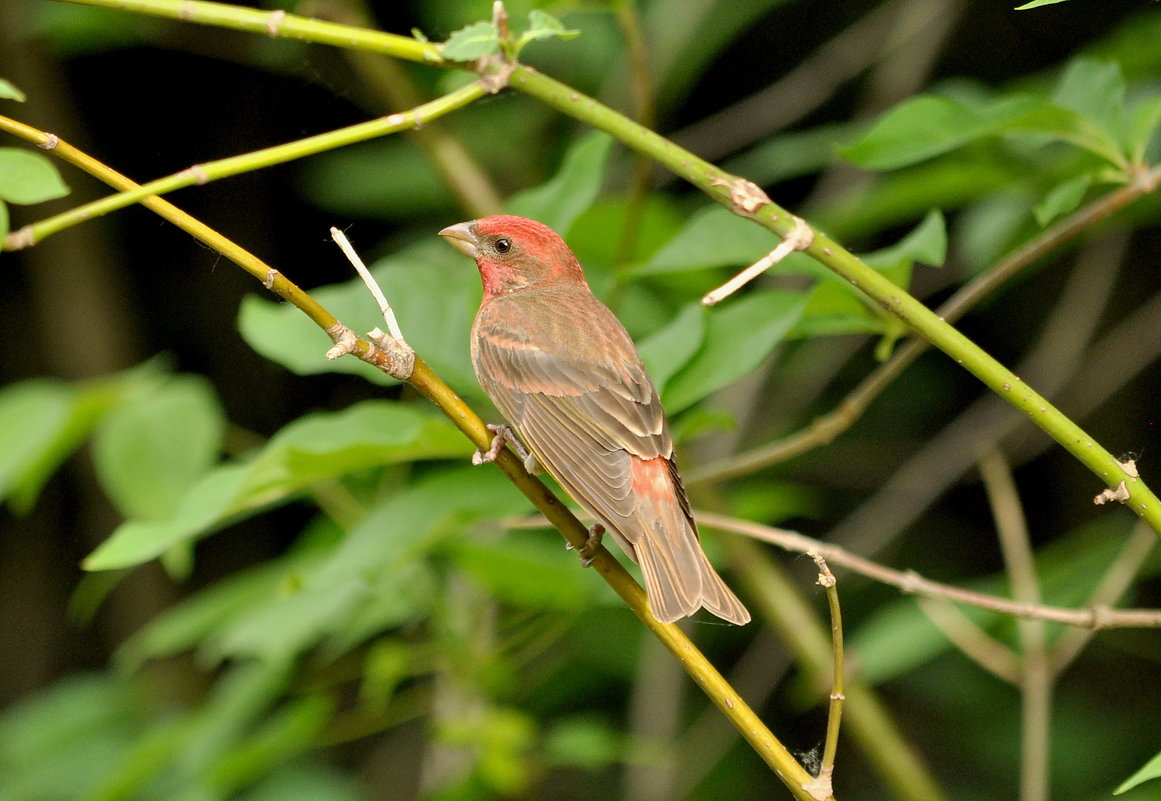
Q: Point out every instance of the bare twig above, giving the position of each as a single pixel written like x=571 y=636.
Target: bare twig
x=800 y=238
x=388 y=315
x=975 y=643
x=1035 y=678
x=1095 y=617
x=1117 y=578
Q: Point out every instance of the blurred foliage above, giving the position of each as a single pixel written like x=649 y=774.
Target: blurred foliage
x=350 y=610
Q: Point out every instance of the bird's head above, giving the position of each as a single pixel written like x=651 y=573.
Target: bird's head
x=514 y=253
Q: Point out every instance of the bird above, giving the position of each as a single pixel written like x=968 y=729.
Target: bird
x=565 y=374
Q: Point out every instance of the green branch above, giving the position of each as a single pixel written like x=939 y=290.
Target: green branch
x=749 y=201
x=824 y=429
x=280 y=25
x=247 y=162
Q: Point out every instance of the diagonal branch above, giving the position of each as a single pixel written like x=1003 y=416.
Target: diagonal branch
x=234 y=165
x=425 y=380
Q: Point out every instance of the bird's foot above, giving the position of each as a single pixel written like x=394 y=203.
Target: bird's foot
x=505 y=434
x=588 y=551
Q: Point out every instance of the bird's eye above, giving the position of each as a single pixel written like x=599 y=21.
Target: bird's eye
x=503 y=244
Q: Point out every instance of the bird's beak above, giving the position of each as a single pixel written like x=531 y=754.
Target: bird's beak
x=462 y=237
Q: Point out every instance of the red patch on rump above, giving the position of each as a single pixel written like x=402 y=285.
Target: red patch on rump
x=651 y=478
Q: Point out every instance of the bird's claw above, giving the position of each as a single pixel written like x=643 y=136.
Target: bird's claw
x=502 y=434
x=587 y=552
x=505 y=434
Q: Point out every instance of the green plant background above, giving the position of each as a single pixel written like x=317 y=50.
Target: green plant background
x=299 y=588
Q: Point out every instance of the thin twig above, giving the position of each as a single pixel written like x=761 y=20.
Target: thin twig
x=777 y=600
x=910 y=582
x=798 y=239
x=1117 y=578
x=201 y=174
x=372 y=285
x=975 y=643
x=822 y=786
x=390 y=80
x=1035 y=678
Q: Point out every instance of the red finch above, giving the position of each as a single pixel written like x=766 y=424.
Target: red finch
x=564 y=372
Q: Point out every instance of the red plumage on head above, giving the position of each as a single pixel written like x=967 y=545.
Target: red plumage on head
x=537 y=255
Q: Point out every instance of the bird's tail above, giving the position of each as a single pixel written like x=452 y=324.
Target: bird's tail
x=679 y=579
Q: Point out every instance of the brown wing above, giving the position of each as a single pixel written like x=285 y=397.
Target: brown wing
x=576 y=391
x=579 y=397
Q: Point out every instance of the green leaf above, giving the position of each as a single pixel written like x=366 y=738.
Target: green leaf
x=326 y=445
x=915 y=130
x=899 y=197
x=312 y=449
x=525 y=572
x=41 y=423
x=833 y=309
x=666 y=350
x=376 y=577
x=236 y=702
x=182 y=627
x=152 y=447
x=585 y=743
x=387 y=664
x=713 y=237
x=986 y=229
x=926 y=244
x=927 y=126
x=1143 y=122
x=472 y=42
x=1062 y=199
x=1037 y=4
x=542 y=25
x=739 y=336
x=5 y=222
x=8 y=91
x=79 y=32
x=303 y=781
x=385 y=178
x=596 y=236
x=572 y=190
x=284 y=735
x=1096 y=91
x=65 y=741
x=28 y=177
x=204 y=507
x=790 y=154
x=1150 y=770
x=1065 y=125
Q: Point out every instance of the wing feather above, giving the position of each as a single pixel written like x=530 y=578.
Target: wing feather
x=581 y=400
